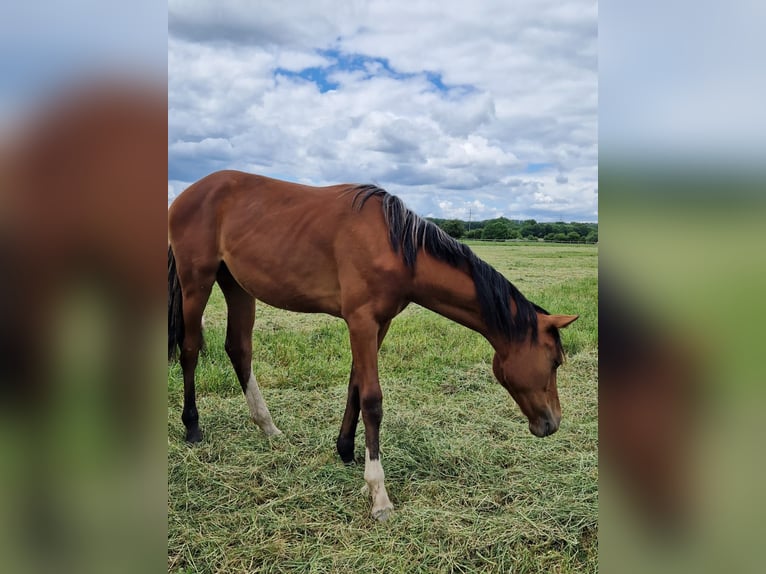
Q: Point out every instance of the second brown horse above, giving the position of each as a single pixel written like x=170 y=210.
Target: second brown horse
x=355 y=252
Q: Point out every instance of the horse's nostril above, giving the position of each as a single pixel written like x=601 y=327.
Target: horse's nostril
x=548 y=428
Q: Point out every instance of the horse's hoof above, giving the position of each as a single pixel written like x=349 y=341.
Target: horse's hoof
x=345 y=448
x=272 y=432
x=383 y=514
x=193 y=436
x=347 y=459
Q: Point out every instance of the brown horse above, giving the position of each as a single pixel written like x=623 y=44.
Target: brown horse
x=355 y=252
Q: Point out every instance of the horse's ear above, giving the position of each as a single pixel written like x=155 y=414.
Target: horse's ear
x=561 y=321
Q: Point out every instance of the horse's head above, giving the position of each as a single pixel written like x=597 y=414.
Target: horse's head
x=527 y=369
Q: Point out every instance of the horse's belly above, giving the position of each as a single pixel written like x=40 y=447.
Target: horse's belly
x=301 y=303
x=301 y=292
x=285 y=272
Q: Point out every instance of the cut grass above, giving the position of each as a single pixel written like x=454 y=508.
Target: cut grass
x=473 y=489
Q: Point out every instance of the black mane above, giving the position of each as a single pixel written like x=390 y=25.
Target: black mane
x=409 y=233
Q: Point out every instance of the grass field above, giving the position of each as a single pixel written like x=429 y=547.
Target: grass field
x=474 y=491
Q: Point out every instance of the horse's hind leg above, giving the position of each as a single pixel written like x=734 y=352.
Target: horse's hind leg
x=239 y=347
x=196 y=292
x=345 y=442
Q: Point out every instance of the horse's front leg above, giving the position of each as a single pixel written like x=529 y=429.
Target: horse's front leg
x=345 y=442
x=364 y=349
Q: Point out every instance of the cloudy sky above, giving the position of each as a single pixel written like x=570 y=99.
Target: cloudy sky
x=488 y=107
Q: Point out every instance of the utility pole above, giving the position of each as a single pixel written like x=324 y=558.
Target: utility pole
x=469 y=219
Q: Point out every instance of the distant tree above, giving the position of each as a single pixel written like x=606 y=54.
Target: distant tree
x=496 y=229
x=514 y=229
x=531 y=228
x=454 y=228
x=556 y=237
x=473 y=234
x=502 y=228
x=581 y=229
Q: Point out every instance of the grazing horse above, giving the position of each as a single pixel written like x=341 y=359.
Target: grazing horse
x=355 y=252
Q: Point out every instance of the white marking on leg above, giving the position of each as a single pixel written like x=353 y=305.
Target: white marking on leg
x=258 y=409
x=374 y=476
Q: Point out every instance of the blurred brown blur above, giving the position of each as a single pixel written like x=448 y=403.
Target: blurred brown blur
x=82 y=180
x=681 y=229
x=82 y=223
x=650 y=396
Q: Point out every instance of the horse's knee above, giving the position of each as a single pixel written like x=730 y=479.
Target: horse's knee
x=190 y=349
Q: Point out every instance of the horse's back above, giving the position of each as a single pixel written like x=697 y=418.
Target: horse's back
x=230 y=207
x=231 y=191
x=287 y=244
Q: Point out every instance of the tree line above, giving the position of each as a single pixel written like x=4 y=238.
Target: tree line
x=502 y=228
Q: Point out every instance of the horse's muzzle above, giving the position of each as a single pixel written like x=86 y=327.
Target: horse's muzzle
x=545 y=426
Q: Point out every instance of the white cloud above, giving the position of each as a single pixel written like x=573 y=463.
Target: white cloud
x=297 y=61
x=441 y=105
x=298 y=25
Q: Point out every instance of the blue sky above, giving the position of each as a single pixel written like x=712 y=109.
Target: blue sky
x=368 y=66
x=455 y=109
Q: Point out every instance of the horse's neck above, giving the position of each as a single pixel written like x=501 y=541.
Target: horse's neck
x=449 y=292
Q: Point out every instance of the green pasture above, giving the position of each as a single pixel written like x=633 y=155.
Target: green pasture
x=474 y=491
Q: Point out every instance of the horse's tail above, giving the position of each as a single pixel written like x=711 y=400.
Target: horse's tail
x=175 y=307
